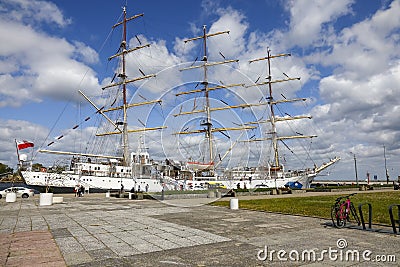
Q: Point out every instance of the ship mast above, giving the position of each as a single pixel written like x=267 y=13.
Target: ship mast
x=271 y=103
x=125 y=144
x=207 y=123
x=274 y=134
x=123 y=51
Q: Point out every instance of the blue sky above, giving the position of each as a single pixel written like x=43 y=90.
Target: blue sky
x=346 y=52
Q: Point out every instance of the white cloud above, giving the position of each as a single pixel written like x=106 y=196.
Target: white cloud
x=32 y=12
x=85 y=53
x=233 y=21
x=364 y=88
x=182 y=49
x=369 y=46
x=43 y=65
x=15 y=90
x=309 y=17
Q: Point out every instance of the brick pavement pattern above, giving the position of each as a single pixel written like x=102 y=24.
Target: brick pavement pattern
x=34 y=248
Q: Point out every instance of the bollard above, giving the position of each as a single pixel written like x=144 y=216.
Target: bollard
x=11 y=197
x=392 y=220
x=58 y=200
x=108 y=194
x=46 y=199
x=234 y=204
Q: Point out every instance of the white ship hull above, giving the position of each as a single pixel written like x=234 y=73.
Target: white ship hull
x=94 y=183
x=67 y=182
x=299 y=182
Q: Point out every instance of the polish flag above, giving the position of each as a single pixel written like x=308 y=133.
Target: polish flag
x=24 y=144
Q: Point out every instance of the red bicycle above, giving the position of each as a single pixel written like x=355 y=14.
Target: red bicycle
x=341 y=210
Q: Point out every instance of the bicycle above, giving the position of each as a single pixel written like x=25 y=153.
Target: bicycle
x=341 y=210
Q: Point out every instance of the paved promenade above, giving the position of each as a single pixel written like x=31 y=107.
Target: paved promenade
x=99 y=231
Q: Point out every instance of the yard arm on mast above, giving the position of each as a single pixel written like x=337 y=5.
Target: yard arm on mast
x=209 y=89
x=272 y=82
x=219 y=108
x=218 y=130
x=280 y=119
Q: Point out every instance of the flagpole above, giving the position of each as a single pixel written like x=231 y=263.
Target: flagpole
x=16 y=146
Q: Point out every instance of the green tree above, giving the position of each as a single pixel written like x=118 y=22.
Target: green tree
x=37 y=166
x=5 y=169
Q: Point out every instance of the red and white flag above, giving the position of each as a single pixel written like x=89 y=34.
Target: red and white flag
x=24 y=144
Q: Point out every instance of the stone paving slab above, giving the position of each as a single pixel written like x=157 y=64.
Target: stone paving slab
x=34 y=248
x=99 y=231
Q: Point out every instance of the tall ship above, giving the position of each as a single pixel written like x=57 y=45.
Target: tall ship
x=137 y=170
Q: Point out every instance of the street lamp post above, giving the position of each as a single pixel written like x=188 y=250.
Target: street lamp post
x=386 y=170
x=355 y=167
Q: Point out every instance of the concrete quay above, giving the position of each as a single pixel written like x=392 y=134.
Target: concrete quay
x=97 y=231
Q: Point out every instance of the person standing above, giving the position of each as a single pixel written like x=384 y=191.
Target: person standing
x=76 y=189
x=81 y=191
